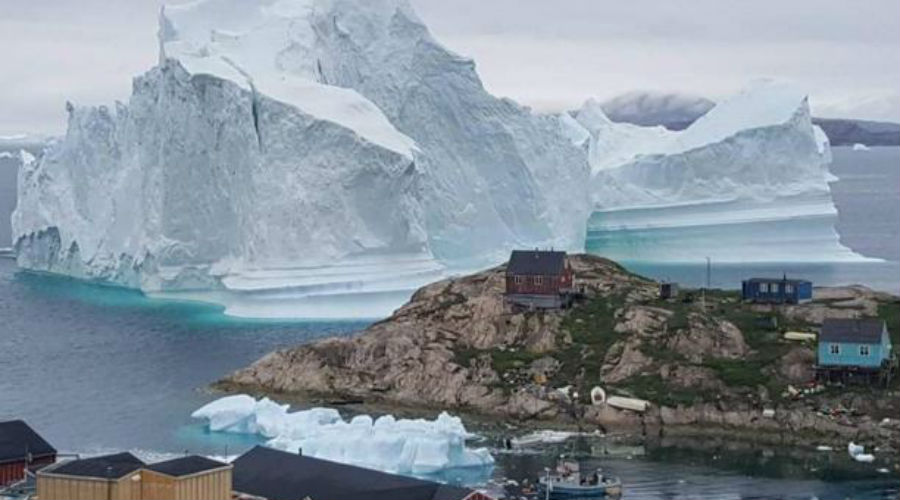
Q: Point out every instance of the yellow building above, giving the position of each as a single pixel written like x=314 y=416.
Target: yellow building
x=187 y=478
x=108 y=477
x=125 y=477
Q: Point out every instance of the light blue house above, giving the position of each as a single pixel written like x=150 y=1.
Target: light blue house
x=850 y=347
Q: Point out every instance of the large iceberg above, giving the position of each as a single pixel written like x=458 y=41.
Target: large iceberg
x=323 y=158
x=748 y=181
x=293 y=149
x=404 y=446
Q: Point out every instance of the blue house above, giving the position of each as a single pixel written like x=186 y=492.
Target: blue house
x=852 y=347
x=776 y=291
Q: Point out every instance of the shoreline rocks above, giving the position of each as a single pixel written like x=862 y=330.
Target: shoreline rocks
x=458 y=345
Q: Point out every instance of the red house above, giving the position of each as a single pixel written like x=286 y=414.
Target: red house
x=21 y=449
x=539 y=279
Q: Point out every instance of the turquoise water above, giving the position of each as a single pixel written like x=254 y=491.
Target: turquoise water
x=97 y=367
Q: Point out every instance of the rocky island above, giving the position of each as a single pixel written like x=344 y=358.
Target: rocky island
x=705 y=363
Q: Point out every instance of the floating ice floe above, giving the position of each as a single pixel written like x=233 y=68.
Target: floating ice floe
x=857 y=452
x=824 y=448
x=546 y=436
x=403 y=446
x=860 y=147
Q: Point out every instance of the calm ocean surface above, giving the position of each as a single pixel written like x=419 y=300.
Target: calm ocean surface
x=97 y=368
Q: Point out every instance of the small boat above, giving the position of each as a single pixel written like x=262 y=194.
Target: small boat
x=545 y=436
x=569 y=482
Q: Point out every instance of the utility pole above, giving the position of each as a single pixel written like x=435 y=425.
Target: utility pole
x=703 y=293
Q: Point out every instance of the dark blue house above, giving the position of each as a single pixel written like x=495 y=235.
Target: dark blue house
x=776 y=291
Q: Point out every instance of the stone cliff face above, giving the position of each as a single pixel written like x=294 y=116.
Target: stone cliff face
x=457 y=344
x=440 y=348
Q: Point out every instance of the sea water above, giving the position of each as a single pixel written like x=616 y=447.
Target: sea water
x=97 y=369
x=866 y=195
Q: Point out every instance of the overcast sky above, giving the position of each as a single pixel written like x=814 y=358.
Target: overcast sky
x=551 y=55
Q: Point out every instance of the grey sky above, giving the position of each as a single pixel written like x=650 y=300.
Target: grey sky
x=548 y=54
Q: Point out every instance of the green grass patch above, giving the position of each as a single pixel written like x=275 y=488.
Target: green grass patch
x=591 y=325
x=653 y=388
x=463 y=356
x=504 y=361
x=890 y=313
x=738 y=372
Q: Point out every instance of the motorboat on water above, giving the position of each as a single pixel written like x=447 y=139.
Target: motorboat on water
x=569 y=482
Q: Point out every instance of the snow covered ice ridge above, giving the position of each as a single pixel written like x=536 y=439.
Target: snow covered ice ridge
x=403 y=446
x=287 y=136
x=748 y=181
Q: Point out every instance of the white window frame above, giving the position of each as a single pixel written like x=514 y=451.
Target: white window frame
x=835 y=349
x=538 y=280
x=764 y=287
x=519 y=280
x=775 y=287
x=864 y=350
x=788 y=288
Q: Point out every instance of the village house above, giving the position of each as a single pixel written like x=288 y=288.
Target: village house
x=122 y=476
x=187 y=478
x=21 y=450
x=776 y=291
x=668 y=290
x=114 y=476
x=267 y=474
x=539 y=279
x=855 y=350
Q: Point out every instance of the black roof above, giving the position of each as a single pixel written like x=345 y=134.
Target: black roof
x=104 y=467
x=279 y=475
x=17 y=440
x=864 y=331
x=778 y=280
x=185 y=466
x=536 y=262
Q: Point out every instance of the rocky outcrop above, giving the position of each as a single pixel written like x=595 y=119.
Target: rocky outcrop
x=458 y=344
x=437 y=349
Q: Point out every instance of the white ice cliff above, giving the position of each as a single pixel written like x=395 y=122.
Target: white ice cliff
x=748 y=181
x=403 y=446
x=298 y=148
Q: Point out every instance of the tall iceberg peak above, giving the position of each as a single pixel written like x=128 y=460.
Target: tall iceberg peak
x=307 y=148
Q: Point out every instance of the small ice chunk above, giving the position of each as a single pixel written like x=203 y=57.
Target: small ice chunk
x=860 y=147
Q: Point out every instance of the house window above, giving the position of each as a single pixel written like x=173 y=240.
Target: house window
x=863 y=350
x=519 y=280
x=788 y=288
x=764 y=287
x=775 y=287
x=835 y=348
x=538 y=280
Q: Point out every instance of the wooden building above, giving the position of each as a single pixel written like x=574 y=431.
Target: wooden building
x=668 y=290
x=21 y=449
x=187 y=478
x=855 y=350
x=268 y=474
x=125 y=477
x=112 y=477
x=776 y=291
x=539 y=279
